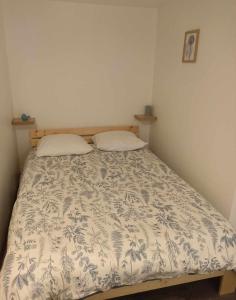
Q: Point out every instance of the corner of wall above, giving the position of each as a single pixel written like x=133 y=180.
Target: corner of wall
x=8 y=152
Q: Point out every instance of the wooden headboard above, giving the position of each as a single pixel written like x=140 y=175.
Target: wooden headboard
x=86 y=133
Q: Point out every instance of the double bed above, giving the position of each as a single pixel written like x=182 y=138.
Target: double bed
x=107 y=224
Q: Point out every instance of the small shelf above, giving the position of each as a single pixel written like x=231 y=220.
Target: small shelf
x=145 y=118
x=19 y=122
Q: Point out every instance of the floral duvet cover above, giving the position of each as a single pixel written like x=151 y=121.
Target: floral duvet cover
x=88 y=223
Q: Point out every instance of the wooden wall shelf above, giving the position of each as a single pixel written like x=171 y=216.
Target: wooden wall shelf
x=19 y=122
x=145 y=118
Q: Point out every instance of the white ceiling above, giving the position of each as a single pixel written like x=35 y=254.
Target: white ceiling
x=142 y=3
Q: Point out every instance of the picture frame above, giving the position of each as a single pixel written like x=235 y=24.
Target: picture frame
x=190 y=50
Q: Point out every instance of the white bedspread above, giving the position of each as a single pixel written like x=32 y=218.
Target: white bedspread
x=82 y=224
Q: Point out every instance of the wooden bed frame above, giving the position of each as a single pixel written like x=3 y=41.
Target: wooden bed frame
x=86 y=133
x=227 y=285
x=227 y=278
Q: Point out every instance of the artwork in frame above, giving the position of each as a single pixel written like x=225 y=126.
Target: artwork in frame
x=191 y=46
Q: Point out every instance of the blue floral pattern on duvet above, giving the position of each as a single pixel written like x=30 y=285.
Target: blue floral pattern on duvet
x=88 y=223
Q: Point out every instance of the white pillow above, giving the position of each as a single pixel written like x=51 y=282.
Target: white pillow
x=118 y=141
x=62 y=144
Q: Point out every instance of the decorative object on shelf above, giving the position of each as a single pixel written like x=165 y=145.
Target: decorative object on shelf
x=25 y=117
x=20 y=121
x=145 y=118
x=148 y=110
x=191 y=46
x=148 y=115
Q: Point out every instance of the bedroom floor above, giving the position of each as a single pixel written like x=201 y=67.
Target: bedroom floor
x=202 y=290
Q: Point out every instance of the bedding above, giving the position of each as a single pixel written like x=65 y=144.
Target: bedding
x=62 y=144
x=83 y=224
x=118 y=141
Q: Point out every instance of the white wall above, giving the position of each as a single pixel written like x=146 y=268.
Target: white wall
x=8 y=157
x=233 y=212
x=142 y=3
x=196 y=103
x=78 y=64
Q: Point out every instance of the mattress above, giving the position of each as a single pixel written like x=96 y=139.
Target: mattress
x=88 y=223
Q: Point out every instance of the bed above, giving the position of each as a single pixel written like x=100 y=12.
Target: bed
x=108 y=224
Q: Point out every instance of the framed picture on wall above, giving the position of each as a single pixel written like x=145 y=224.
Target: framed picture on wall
x=191 y=46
